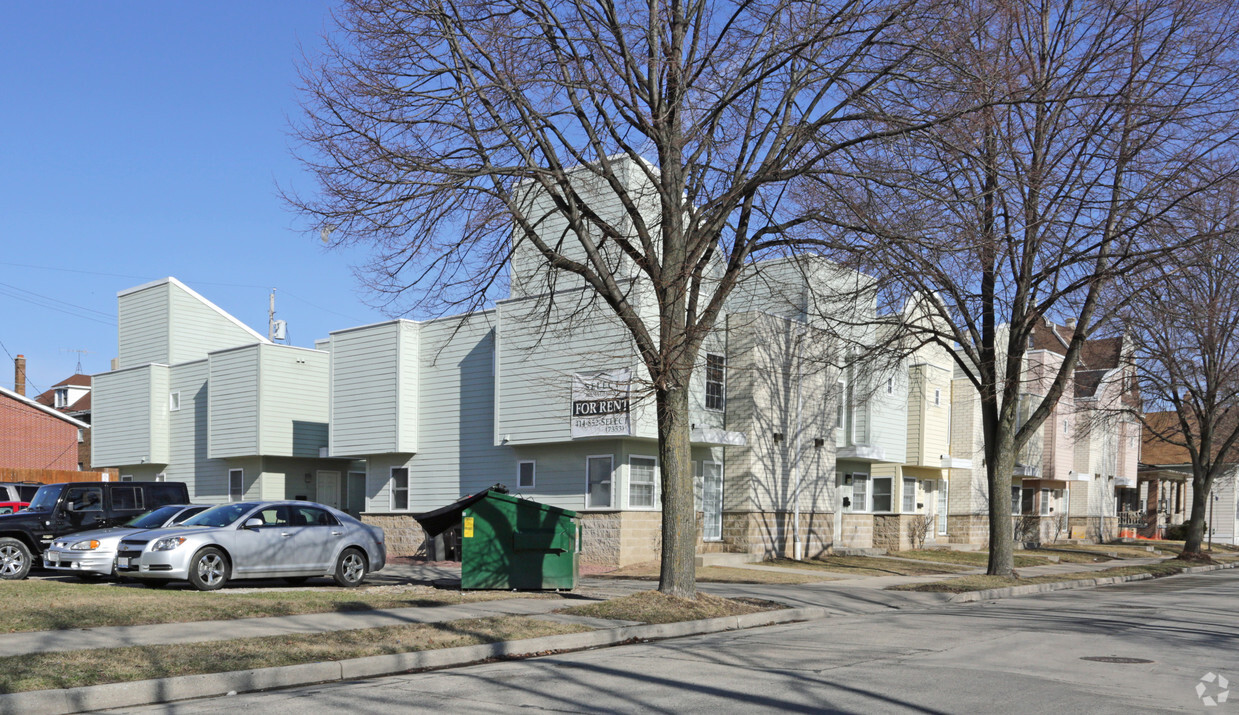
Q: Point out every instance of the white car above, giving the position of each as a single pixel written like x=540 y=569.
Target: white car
x=292 y=540
x=92 y=554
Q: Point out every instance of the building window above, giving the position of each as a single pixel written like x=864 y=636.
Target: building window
x=860 y=492
x=161 y=477
x=909 y=496
x=236 y=484
x=174 y=401
x=1026 y=501
x=841 y=404
x=715 y=378
x=642 y=485
x=525 y=474
x=62 y=397
x=399 y=488
x=1015 y=500
x=126 y=477
x=1046 y=506
x=1065 y=428
x=881 y=494
x=937 y=398
x=81 y=436
x=890 y=385
x=598 y=481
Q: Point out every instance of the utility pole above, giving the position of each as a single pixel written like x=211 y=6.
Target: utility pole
x=271 y=318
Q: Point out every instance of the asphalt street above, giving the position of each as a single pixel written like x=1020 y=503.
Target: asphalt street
x=1048 y=653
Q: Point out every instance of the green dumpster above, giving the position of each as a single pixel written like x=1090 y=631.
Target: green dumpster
x=511 y=543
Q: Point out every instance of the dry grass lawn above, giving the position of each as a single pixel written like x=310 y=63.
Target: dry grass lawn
x=648 y=571
x=981 y=582
x=45 y=671
x=655 y=607
x=975 y=559
x=35 y=605
x=868 y=566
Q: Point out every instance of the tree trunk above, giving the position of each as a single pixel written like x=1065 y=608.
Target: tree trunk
x=999 y=469
x=678 y=576
x=1199 y=518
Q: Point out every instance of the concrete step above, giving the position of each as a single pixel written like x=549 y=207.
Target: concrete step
x=857 y=551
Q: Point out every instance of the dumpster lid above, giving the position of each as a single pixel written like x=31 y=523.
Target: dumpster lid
x=445 y=517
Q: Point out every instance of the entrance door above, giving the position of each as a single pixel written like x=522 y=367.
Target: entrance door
x=942 y=505
x=712 y=501
x=355 y=499
x=328 y=488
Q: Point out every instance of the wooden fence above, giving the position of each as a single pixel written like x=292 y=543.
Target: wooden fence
x=52 y=476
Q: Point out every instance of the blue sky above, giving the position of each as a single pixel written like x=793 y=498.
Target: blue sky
x=147 y=139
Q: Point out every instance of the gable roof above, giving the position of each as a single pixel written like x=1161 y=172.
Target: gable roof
x=42 y=408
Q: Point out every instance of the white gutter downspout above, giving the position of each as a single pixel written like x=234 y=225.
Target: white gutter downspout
x=798 y=545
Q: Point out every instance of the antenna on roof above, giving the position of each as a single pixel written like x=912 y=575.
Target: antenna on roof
x=80 y=353
x=276 y=329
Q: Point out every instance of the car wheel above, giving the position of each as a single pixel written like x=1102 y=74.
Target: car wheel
x=351 y=568
x=296 y=580
x=209 y=569
x=15 y=559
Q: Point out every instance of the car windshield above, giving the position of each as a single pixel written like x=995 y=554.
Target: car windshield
x=221 y=515
x=153 y=519
x=45 y=499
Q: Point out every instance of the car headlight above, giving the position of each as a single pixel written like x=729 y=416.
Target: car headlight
x=168 y=543
x=89 y=545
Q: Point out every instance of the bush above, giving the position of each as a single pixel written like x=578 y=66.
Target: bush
x=1178 y=532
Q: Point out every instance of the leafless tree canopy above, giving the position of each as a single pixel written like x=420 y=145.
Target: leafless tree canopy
x=1184 y=318
x=1099 y=119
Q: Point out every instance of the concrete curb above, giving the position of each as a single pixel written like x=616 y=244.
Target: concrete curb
x=993 y=593
x=163 y=690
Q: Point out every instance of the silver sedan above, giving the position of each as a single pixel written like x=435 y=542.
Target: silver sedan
x=293 y=540
x=92 y=554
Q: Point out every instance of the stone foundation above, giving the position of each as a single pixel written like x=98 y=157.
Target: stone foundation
x=619 y=538
x=967 y=529
x=403 y=534
x=901 y=532
x=772 y=534
x=857 y=531
x=1094 y=528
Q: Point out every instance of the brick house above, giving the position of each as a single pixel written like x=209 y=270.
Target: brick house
x=34 y=436
x=71 y=396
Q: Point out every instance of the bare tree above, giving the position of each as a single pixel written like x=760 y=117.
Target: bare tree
x=632 y=146
x=1100 y=118
x=1183 y=316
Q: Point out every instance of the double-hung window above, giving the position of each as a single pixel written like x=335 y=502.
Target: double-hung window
x=598 y=481
x=642 y=482
x=715 y=379
x=236 y=484
x=1015 y=500
x=399 y=488
x=860 y=492
x=909 y=496
x=525 y=474
x=881 y=494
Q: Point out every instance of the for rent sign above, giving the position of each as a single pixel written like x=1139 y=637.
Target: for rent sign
x=600 y=405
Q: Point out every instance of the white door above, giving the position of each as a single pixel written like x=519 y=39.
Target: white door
x=712 y=501
x=328 y=489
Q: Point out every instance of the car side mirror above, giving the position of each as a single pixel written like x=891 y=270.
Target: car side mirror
x=253 y=523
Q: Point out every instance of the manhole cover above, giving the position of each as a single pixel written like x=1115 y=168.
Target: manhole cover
x=1114 y=659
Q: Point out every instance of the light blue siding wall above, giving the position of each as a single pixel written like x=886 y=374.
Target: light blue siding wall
x=130 y=423
x=408 y=398
x=539 y=353
x=143 y=330
x=293 y=401
x=233 y=407
x=198 y=327
x=188 y=428
x=366 y=370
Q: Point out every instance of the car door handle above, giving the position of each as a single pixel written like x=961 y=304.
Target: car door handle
x=285 y=534
x=337 y=533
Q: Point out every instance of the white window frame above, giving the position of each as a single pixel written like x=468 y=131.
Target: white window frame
x=81 y=435
x=174 y=401
x=533 y=473
x=611 y=500
x=722 y=498
x=903 y=495
x=1016 y=495
x=861 y=505
x=655 y=500
x=161 y=477
x=937 y=397
x=237 y=494
x=1047 y=502
x=890 y=492
x=1066 y=427
x=126 y=477
x=943 y=503
x=391 y=474
x=841 y=416
x=890 y=385
x=722 y=384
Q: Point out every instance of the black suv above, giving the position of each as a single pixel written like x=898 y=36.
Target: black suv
x=59 y=509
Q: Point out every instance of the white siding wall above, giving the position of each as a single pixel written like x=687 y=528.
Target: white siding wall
x=130 y=417
x=197 y=327
x=189 y=461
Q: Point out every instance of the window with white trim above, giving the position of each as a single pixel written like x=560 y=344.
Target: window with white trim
x=126 y=477
x=890 y=385
x=937 y=398
x=1015 y=500
x=840 y=404
x=642 y=482
x=598 y=480
x=909 y=495
x=716 y=373
x=174 y=401
x=526 y=473
x=236 y=484
x=860 y=492
x=399 y=488
x=880 y=495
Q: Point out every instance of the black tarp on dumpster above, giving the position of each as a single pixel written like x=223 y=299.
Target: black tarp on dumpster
x=445 y=517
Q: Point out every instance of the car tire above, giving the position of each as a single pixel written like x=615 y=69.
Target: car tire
x=15 y=559
x=295 y=580
x=208 y=570
x=350 y=569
